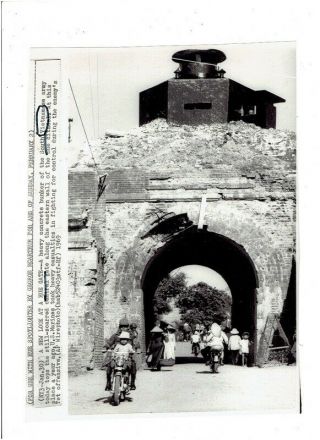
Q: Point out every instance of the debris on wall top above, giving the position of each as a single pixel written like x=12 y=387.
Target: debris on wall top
x=234 y=145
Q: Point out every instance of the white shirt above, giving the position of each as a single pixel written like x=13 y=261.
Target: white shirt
x=214 y=341
x=244 y=344
x=124 y=349
x=234 y=342
x=195 y=338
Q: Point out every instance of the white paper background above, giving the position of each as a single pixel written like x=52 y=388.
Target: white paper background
x=33 y=24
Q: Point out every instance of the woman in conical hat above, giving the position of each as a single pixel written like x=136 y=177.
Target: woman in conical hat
x=156 y=329
x=155 y=349
x=171 y=328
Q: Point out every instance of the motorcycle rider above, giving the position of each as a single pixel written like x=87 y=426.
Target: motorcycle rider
x=214 y=341
x=134 y=336
x=110 y=344
x=124 y=347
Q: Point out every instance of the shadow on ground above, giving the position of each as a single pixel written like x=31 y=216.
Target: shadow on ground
x=110 y=400
x=189 y=360
x=157 y=371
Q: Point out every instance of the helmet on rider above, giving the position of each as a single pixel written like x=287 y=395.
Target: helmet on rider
x=123 y=322
x=133 y=326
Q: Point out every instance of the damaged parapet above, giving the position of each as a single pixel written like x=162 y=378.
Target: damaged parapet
x=200 y=94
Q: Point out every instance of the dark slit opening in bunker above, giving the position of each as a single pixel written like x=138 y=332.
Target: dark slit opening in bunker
x=198 y=106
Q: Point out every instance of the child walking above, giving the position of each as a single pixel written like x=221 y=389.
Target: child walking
x=244 y=348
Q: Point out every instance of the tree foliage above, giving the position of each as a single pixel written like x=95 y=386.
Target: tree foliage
x=202 y=303
x=198 y=304
x=167 y=289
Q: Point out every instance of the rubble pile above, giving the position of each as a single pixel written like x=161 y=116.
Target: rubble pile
x=236 y=145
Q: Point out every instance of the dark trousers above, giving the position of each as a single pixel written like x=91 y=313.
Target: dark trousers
x=186 y=335
x=205 y=353
x=234 y=357
x=132 y=368
x=194 y=345
x=133 y=372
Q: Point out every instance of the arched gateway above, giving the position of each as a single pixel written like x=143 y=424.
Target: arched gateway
x=143 y=222
x=220 y=253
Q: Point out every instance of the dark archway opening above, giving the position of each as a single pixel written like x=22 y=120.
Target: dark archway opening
x=223 y=255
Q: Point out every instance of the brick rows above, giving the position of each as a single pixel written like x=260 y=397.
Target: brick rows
x=275 y=220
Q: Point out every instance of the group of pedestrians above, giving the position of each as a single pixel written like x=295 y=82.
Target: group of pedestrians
x=162 y=346
x=231 y=344
x=234 y=348
x=239 y=346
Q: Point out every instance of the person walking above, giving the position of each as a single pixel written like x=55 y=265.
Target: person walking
x=244 y=348
x=170 y=343
x=155 y=349
x=234 y=345
x=195 y=341
x=225 y=346
x=186 y=332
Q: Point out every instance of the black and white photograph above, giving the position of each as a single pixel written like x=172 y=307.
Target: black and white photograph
x=181 y=229
x=159 y=220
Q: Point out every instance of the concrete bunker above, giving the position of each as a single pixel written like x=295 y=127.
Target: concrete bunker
x=215 y=251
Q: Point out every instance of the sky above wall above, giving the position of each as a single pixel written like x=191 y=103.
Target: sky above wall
x=196 y=274
x=107 y=81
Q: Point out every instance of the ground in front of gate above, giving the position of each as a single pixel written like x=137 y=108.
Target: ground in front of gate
x=192 y=387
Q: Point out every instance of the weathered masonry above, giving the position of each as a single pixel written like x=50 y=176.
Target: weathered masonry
x=139 y=220
x=145 y=223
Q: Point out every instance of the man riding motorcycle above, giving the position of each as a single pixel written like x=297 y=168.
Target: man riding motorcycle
x=214 y=342
x=112 y=342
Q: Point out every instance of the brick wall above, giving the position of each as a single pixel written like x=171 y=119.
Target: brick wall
x=248 y=176
x=264 y=229
x=82 y=270
x=85 y=323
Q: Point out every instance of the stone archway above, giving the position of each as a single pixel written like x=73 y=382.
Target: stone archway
x=217 y=252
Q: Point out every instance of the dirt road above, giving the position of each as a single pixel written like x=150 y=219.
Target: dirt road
x=191 y=387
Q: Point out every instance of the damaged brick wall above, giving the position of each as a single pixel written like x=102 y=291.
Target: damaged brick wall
x=248 y=177
x=86 y=278
x=265 y=230
x=82 y=270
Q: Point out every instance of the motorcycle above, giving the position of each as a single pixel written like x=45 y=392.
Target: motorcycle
x=120 y=378
x=215 y=359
